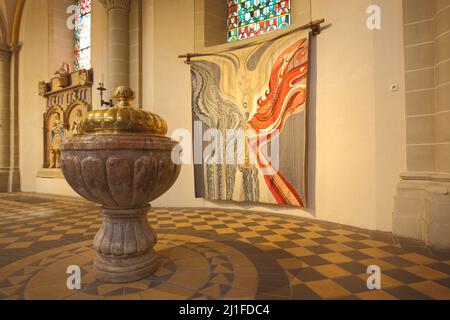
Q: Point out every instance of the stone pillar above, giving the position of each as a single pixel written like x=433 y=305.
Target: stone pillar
x=9 y=119
x=14 y=171
x=5 y=135
x=442 y=94
x=118 y=39
x=422 y=204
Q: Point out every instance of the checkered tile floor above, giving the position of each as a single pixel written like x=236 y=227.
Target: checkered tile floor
x=227 y=255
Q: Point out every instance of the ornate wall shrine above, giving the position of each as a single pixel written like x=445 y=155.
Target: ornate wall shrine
x=68 y=99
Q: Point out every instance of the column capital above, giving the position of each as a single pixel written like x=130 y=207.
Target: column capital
x=15 y=47
x=5 y=53
x=116 y=4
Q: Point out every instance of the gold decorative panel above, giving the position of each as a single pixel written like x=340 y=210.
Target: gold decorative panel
x=68 y=100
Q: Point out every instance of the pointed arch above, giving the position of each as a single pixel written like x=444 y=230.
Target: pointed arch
x=15 y=30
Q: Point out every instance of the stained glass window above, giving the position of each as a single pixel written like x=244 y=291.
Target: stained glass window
x=249 y=18
x=83 y=35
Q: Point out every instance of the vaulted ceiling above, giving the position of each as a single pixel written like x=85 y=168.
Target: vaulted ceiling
x=10 y=16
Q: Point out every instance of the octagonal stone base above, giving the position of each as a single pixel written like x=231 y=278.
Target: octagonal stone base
x=124 y=246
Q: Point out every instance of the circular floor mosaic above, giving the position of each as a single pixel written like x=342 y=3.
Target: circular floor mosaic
x=191 y=267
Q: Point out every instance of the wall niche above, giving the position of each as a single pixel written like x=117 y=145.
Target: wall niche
x=211 y=23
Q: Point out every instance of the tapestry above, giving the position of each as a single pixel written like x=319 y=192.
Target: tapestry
x=249 y=113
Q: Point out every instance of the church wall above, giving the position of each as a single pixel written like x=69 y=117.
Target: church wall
x=61 y=40
x=356 y=150
x=33 y=67
x=43 y=35
x=390 y=145
x=356 y=140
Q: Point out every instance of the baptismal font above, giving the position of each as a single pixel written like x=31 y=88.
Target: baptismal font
x=121 y=160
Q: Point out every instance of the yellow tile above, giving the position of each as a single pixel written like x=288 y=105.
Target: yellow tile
x=328 y=289
x=236 y=225
x=305 y=242
x=76 y=231
x=343 y=232
x=258 y=228
x=19 y=245
x=332 y=271
x=335 y=257
x=238 y=294
x=283 y=231
x=106 y=288
x=201 y=228
x=300 y=252
x=374 y=243
x=243 y=240
x=24 y=230
x=249 y=234
x=376 y=295
x=8 y=240
x=71 y=220
x=62 y=228
x=83 y=297
x=340 y=239
x=291 y=263
x=311 y=235
x=386 y=281
x=381 y=263
x=417 y=258
x=376 y=253
x=183 y=225
x=276 y=238
x=50 y=238
x=214 y=223
x=426 y=273
x=49 y=225
x=36 y=234
x=432 y=289
x=288 y=225
x=315 y=228
x=225 y=231
x=83 y=223
x=265 y=223
x=338 y=247
x=266 y=246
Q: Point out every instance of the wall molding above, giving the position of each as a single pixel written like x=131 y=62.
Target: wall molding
x=116 y=4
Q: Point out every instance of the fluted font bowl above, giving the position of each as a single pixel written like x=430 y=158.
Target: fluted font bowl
x=122 y=173
x=119 y=171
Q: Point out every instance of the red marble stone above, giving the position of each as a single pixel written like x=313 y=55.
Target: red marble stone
x=122 y=173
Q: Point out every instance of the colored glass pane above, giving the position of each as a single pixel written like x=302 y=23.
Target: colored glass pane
x=85 y=6
x=249 y=18
x=82 y=34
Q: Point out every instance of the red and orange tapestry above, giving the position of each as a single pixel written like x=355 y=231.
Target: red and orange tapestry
x=249 y=106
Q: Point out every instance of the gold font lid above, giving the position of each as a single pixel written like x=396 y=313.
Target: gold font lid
x=123 y=117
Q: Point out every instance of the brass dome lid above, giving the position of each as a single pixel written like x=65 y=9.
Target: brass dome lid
x=123 y=117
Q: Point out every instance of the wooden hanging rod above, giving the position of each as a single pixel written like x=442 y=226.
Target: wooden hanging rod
x=315 y=27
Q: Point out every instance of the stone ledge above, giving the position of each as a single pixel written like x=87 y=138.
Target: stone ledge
x=425 y=176
x=50 y=174
x=422 y=212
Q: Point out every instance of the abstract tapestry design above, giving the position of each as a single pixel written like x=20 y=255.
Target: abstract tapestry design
x=250 y=104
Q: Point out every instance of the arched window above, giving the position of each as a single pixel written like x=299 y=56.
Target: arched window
x=249 y=18
x=83 y=35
